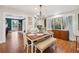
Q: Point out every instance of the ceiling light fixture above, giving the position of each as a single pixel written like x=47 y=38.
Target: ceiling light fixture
x=35 y=8
x=40 y=14
x=39 y=18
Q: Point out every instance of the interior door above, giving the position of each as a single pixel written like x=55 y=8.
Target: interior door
x=8 y=20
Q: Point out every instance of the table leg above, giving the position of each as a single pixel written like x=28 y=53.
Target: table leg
x=31 y=47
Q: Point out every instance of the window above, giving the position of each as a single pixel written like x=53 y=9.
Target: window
x=58 y=22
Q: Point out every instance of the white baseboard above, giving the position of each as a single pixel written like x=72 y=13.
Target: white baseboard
x=72 y=40
x=2 y=42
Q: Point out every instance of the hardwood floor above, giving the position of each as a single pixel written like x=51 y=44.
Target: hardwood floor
x=66 y=46
x=14 y=44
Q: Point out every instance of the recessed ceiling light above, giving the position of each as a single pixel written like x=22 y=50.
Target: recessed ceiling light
x=35 y=8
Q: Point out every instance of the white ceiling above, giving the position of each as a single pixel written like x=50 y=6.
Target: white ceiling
x=47 y=9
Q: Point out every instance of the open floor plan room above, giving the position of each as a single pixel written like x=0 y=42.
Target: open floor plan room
x=39 y=28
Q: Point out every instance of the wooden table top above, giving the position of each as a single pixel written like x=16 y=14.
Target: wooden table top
x=35 y=37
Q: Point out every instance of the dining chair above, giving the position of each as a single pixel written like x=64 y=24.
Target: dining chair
x=45 y=44
x=51 y=33
x=26 y=44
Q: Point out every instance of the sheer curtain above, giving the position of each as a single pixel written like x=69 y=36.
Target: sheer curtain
x=70 y=27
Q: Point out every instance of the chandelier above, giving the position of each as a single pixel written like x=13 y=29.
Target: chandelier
x=40 y=19
x=40 y=15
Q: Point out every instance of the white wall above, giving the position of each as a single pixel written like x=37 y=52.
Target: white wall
x=25 y=24
x=2 y=28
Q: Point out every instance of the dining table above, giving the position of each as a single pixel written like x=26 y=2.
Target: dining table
x=35 y=37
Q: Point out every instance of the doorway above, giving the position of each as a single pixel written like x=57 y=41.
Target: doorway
x=14 y=24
